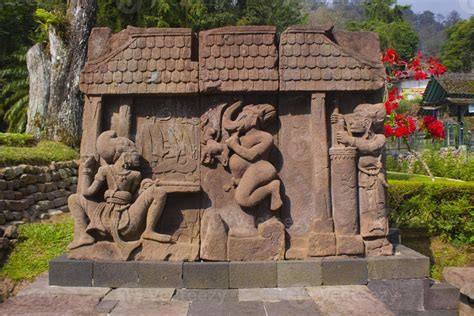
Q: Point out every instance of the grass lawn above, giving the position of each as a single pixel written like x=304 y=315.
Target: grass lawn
x=42 y=154
x=38 y=244
x=392 y=175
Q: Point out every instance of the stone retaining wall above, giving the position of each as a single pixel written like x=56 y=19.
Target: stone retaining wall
x=28 y=193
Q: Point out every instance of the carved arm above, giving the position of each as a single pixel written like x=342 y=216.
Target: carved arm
x=251 y=154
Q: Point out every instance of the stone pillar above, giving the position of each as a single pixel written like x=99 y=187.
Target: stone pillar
x=91 y=124
x=344 y=189
x=125 y=117
x=91 y=128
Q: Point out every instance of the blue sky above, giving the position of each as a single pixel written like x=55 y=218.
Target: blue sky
x=464 y=7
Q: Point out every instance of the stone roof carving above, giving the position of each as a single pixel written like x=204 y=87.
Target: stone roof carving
x=313 y=60
x=239 y=58
x=231 y=59
x=157 y=60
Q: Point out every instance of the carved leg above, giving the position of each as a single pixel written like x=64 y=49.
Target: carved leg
x=257 y=183
x=249 y=199
x=149 y=206
x=77 y=206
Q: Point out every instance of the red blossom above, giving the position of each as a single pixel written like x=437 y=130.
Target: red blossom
x=433 y=126
x=390 y=56
x=420 y=75
x=388 y=130
x=411 y=124
x=435 y=67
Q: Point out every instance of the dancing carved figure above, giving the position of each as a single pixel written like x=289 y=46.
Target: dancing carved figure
x=253 y=176
x=362 y=127
x=130 y=208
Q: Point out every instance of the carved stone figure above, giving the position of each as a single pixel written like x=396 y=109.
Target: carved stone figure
x=252 y=180
x=130 y=208
x=361 y=134
x=253 y=176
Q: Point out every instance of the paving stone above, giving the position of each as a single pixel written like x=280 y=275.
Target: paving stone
x=259 y=274
x=151 y=308
x=124 y=294
x=206 y=275
x=67 y=272
x=49 y=305
x=440 y=296
x=273 y=295
x=41 y=287
x=347 y=300
x=160 y=274
x=211 y=295
x=299 y=308
x=405 y=264
x=428 y=313
x=116 y=274
x=200 y=308
x=299 y=273
x=344 y=271
x=105 y=306
x=401 y=294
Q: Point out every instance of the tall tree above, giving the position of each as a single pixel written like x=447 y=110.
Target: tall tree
x=385 y=17
x=457 y=54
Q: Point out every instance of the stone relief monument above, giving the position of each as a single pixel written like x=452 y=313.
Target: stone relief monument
x=233 y=145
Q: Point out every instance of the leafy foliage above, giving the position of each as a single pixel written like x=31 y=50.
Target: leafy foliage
x=457 y=51
x=38 y=244
x=198 y=14
x=42 y=154
x=447 y=164
x=14 y=95
x=443 y=208
x=45 y=19
x=385 y=18
x=16 y=140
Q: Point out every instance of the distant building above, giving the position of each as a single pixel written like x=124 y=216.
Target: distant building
x=451 y=94
x=411 y=89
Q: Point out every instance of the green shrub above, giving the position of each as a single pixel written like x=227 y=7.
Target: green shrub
x=16 y=140
x=42 y=154
x=444 y=208
x=446 y=163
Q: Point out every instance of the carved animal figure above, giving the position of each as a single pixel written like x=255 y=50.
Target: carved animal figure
x=253 y=176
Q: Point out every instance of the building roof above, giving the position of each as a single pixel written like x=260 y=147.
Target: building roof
x=453 y=88
x=155 y=60
x=319 y=59
x=238 y=58
x=230 y=59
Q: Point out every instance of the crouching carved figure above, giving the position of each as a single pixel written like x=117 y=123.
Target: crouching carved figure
x=253 y=176
x=129 y=210
x=364 y=132
x=240 y=225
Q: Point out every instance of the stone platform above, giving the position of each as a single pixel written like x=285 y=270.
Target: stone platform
x=406 y=264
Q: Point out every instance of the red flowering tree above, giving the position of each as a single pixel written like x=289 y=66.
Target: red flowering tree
x=397 y=125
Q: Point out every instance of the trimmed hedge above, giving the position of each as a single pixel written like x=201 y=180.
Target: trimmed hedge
x=443 y=208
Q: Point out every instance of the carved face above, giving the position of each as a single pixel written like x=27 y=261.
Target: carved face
x=132 y=159
x=357 y=123
x=247 y=119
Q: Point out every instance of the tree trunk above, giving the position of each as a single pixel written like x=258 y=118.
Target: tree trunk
x=39 y=67
x=55 y=108
x=68 y=55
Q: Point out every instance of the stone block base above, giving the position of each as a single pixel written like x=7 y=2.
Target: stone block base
x=268 y=245
x=405 y=264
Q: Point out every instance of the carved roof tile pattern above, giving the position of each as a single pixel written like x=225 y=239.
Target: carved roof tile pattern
x=146 y=61
x=311 y=60
x=241 y=58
